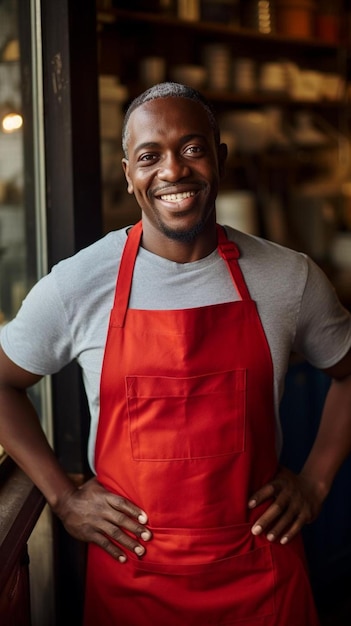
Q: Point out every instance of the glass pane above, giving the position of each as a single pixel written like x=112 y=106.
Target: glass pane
x=12 y=214
x=20 y=247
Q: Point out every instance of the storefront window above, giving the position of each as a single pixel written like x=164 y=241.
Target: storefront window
x=22 y=214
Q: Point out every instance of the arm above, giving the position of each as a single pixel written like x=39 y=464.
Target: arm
x=90 y=513
x=299 y=499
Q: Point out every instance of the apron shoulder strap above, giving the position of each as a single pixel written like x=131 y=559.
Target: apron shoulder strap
x=229 y=251
x=125 y=275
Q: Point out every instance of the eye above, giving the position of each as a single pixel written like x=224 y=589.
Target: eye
x=147 y=158
x=194 y=150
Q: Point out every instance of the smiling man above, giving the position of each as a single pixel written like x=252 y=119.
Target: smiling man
x=189 y=517
x=173 y=173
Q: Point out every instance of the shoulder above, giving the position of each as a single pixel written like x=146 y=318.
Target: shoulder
x=85 y=282
x=95 y=257
x=268 y=265
x=67 y=310
x=91 y=270
x=252 y=247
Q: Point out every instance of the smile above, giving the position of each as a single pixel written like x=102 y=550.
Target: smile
x=177 y=197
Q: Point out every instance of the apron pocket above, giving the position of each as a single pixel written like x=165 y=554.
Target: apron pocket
x=186 y=418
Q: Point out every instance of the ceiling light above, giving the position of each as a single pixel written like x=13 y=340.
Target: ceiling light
x=11 y=122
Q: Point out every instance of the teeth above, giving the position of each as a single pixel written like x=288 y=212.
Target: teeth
x=176 y=197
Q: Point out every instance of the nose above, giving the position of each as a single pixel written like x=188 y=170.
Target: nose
x=173 y=167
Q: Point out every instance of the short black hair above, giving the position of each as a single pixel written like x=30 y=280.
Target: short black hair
x=169 y=90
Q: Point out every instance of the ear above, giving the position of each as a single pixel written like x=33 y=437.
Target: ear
x=222 y=158
x=125 y=165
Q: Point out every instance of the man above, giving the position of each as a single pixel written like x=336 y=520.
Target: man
x=190 y=520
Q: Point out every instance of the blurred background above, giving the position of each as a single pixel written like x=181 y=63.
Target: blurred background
x=278 y=74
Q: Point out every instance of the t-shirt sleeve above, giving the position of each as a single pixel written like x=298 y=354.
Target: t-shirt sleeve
x=38 y=339
x=323 y=333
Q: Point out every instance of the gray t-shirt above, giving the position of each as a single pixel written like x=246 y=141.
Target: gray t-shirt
x=65 y=316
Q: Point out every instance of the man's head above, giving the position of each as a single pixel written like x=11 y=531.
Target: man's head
x=169 y=90
x=174 y=164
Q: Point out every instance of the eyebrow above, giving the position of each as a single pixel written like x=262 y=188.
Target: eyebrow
x=146 y=144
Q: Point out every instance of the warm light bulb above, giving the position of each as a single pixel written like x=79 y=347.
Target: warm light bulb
x=11 y=122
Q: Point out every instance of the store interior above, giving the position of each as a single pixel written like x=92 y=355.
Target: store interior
x=278 y=74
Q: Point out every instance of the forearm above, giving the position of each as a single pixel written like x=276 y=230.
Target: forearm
x=91 y=513
x=24 y=440
x=297 y=500
x=333 y=442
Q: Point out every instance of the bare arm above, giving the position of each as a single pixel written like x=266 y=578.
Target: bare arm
x=90 y=513
x=297 y=500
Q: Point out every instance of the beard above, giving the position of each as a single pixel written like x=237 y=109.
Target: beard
x=184 y=236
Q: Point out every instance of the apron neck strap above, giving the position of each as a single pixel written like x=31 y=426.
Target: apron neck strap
x=227 y=250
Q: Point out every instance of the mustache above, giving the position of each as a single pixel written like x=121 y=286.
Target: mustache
x=174 y=187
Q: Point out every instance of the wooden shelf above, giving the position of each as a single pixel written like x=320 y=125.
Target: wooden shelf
x=113 y=17
x=250 y=100
x=138 y=28
x=268 y=99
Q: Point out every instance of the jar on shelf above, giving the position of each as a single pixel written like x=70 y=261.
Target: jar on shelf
x=189 y=10
x=258 y=15
x=328 y=21
x=296 y=18
x=217 y=60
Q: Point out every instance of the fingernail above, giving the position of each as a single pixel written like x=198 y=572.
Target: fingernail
x=139 y=550
x=145 y=535
x=252 y=503
x=256 y=530
x=270 y=537
x=122 y=559
x=142 y=518
x=284 y=540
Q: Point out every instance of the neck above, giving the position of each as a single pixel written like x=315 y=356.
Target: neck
x=159 y=243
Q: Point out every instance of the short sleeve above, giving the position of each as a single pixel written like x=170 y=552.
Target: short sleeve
x=38 y=339
x=323 y=334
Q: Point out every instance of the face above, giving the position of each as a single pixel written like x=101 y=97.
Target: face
x=174 y=167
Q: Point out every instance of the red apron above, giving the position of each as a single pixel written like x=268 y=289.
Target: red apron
x=187 y=432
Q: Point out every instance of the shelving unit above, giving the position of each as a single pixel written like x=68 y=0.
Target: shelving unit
x=124 y=31
x=126 y=36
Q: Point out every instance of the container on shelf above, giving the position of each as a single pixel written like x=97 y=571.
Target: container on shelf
x=244 y=79
x=251 y=129
x=327 y=28
x=222 y=11
x=272 y=77
x=258 y=15
x=217 y=60
x=193 y=75
x=189 y=10
x=328 y=21
x=152 y=70
x=296 y=18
